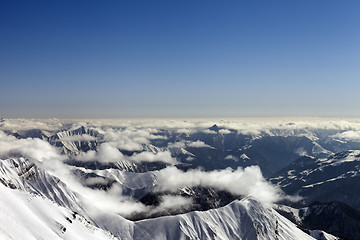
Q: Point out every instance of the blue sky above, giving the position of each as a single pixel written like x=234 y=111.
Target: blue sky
x=114 y=59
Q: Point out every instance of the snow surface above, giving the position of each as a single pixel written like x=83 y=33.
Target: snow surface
x=28 y=216
x=245 y=219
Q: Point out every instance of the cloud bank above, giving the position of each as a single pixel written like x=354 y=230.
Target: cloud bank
x=244 y=182
x=33 y=148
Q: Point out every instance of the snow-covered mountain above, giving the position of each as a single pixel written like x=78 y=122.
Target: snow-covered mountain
x=25 y=216
x=28 y=216
x=335 y=178
x=179 y=180
x=45 y=207
x=245 y=219
x=333 y=217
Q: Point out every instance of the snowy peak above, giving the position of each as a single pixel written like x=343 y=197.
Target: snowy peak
x=245 y=219
x=214 y=128
x=75 y=141
x=20 y=173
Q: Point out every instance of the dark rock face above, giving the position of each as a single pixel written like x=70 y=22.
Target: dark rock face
x=202 y=199
x=336 y=218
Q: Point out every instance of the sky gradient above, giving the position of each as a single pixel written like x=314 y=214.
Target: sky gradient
x=115 y=59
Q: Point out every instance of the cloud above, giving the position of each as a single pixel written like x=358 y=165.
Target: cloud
x=154 y=157
x=348 y=135
x=224 y=131
x=33 y=148
x=180 y=144
x=198 y=144
x=231 y=157
x=96 y=180
x=248 y=181
x=95 y=201
x=105 y=153
x=170 y=202
x=208 y=131
x=130 y=138
x=301 y=151
x=133 y=134
x=111 y=201
x=184 y=144
x=27 y=124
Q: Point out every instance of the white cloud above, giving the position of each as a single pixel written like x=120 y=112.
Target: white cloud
x=95 y=180
x=231 y=157
x=130 y=138
x=248 y=181
x=184 y=144
x=348 y=135
x=301 y=151
x=27 y=124
x=169 y=202
x=180 y=144
x=105 y=153
x=153 y=157
x=224 y=131
x=198 y=144
x=33 y=148
x=208 y=131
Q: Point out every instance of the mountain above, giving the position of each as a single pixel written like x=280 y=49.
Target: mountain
x=245 y=219
x=23 y=174
x=334 y=217
x=25 y=216
x=75 y=141
x=334 y=178
x=100 y=176
x=35 y=204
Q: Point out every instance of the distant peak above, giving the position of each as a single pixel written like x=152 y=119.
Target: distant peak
x=214 y=128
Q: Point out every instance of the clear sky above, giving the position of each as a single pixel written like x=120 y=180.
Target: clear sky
x=179 y=58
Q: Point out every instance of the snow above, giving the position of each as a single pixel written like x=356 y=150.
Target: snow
x=27 y=216
x=244 y=156
x=245 y=219
x=321 y=235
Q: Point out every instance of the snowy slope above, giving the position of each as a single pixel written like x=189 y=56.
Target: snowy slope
x=25 y=216
x=245 y=219
x=20 y=173
x=334 y=178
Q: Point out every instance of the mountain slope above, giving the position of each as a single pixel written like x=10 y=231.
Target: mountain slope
x=334 y=178
x=25 y=216
x=245 y=219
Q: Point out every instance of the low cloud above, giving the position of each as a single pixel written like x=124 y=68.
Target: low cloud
x=180 y=144
x=224 y=131
x=154 y=157
x=208 y=131
x=348 y=135
x=28 y=124
x=231 y=157
x=301 y=151
x=33 y=148
x=105 y=153
x=184 y=144
x=170 y=202
x=248 y=181
x=198 y=144
x=130 y=138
